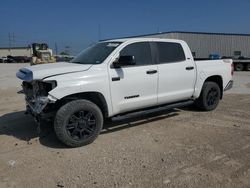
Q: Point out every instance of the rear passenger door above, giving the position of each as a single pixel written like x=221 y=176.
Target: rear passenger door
x=176 y=72
x=134 y=86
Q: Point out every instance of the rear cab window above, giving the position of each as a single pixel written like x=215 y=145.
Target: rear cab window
x=170 y=52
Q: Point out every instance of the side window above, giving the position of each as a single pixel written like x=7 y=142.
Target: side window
x=141 y=51
x=170 y=52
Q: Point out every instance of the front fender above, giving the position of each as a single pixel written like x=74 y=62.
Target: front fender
x=89 y=81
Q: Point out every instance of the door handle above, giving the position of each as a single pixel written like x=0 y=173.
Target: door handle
x=116 y=79
x=189 y=68
x=151 y=71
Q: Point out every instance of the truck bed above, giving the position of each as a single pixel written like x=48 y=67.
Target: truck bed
x=234 y=60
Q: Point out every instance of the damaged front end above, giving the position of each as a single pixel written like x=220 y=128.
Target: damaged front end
x=37 y=97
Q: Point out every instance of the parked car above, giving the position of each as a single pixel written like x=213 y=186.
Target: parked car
x=63 y=58
x=9 y=60
x=18 y=59
x=3 y=59
x=117 y=77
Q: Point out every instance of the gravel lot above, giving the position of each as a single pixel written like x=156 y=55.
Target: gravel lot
x=179 y=148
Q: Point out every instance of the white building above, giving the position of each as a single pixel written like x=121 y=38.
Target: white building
x=16 y=51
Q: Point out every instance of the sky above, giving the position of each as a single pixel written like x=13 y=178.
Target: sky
x=80 y=23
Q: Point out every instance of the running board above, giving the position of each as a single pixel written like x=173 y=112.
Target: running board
x=152 y=110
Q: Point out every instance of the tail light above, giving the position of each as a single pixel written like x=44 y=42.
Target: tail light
x=232 y=65
x=232 y=69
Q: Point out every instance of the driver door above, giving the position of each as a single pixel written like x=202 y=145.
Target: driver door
x=134 y=86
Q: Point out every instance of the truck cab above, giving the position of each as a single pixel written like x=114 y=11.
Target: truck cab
x=157 y=64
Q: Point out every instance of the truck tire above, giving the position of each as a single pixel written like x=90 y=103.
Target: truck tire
x=248 y=67
x=239 y=67
x=78 y=123
x=209 y=97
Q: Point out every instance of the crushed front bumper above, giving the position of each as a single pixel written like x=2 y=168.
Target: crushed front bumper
x=40 y=109
x=38 y=105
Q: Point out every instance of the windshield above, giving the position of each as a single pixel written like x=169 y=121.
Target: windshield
x=96 y=54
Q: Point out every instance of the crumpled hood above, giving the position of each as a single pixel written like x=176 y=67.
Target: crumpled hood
x=39 y=72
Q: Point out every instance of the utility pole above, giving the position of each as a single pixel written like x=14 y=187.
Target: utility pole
x=56 y=48
x=158 y=29
x=99 y=32
x=67 y=49
x=9 y=43
x=13 y=39
x=9 y=40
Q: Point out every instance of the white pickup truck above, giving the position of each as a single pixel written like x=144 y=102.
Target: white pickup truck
x=116 y=77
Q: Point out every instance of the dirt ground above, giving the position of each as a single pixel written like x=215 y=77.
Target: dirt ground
x=178 y=148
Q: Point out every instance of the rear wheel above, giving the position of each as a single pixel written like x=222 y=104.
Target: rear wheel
x=209 y=97
x=248 y=67
x=78 y=123
x=239 y=67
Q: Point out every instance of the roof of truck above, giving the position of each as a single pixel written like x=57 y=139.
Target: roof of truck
x=137 y=39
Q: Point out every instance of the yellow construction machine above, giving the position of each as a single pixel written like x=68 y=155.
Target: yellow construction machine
x=42 y=54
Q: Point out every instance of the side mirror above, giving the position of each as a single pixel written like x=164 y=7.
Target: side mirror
x=124 y=61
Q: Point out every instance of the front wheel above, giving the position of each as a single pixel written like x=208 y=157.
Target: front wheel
x=78 y=123
x=209 y=97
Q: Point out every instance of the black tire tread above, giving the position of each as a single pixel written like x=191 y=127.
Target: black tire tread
x=200 y=102
x=60 y=120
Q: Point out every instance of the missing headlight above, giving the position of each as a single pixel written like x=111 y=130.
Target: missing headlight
x=38 y=88
x=45 y=87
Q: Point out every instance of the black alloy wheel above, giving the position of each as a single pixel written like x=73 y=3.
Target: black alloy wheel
x=81 y=125
x=212 y=96
x=78 y=123
x=209 y=97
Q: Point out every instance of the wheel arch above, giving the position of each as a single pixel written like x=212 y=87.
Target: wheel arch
x=218 y=80
x=95 y=97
